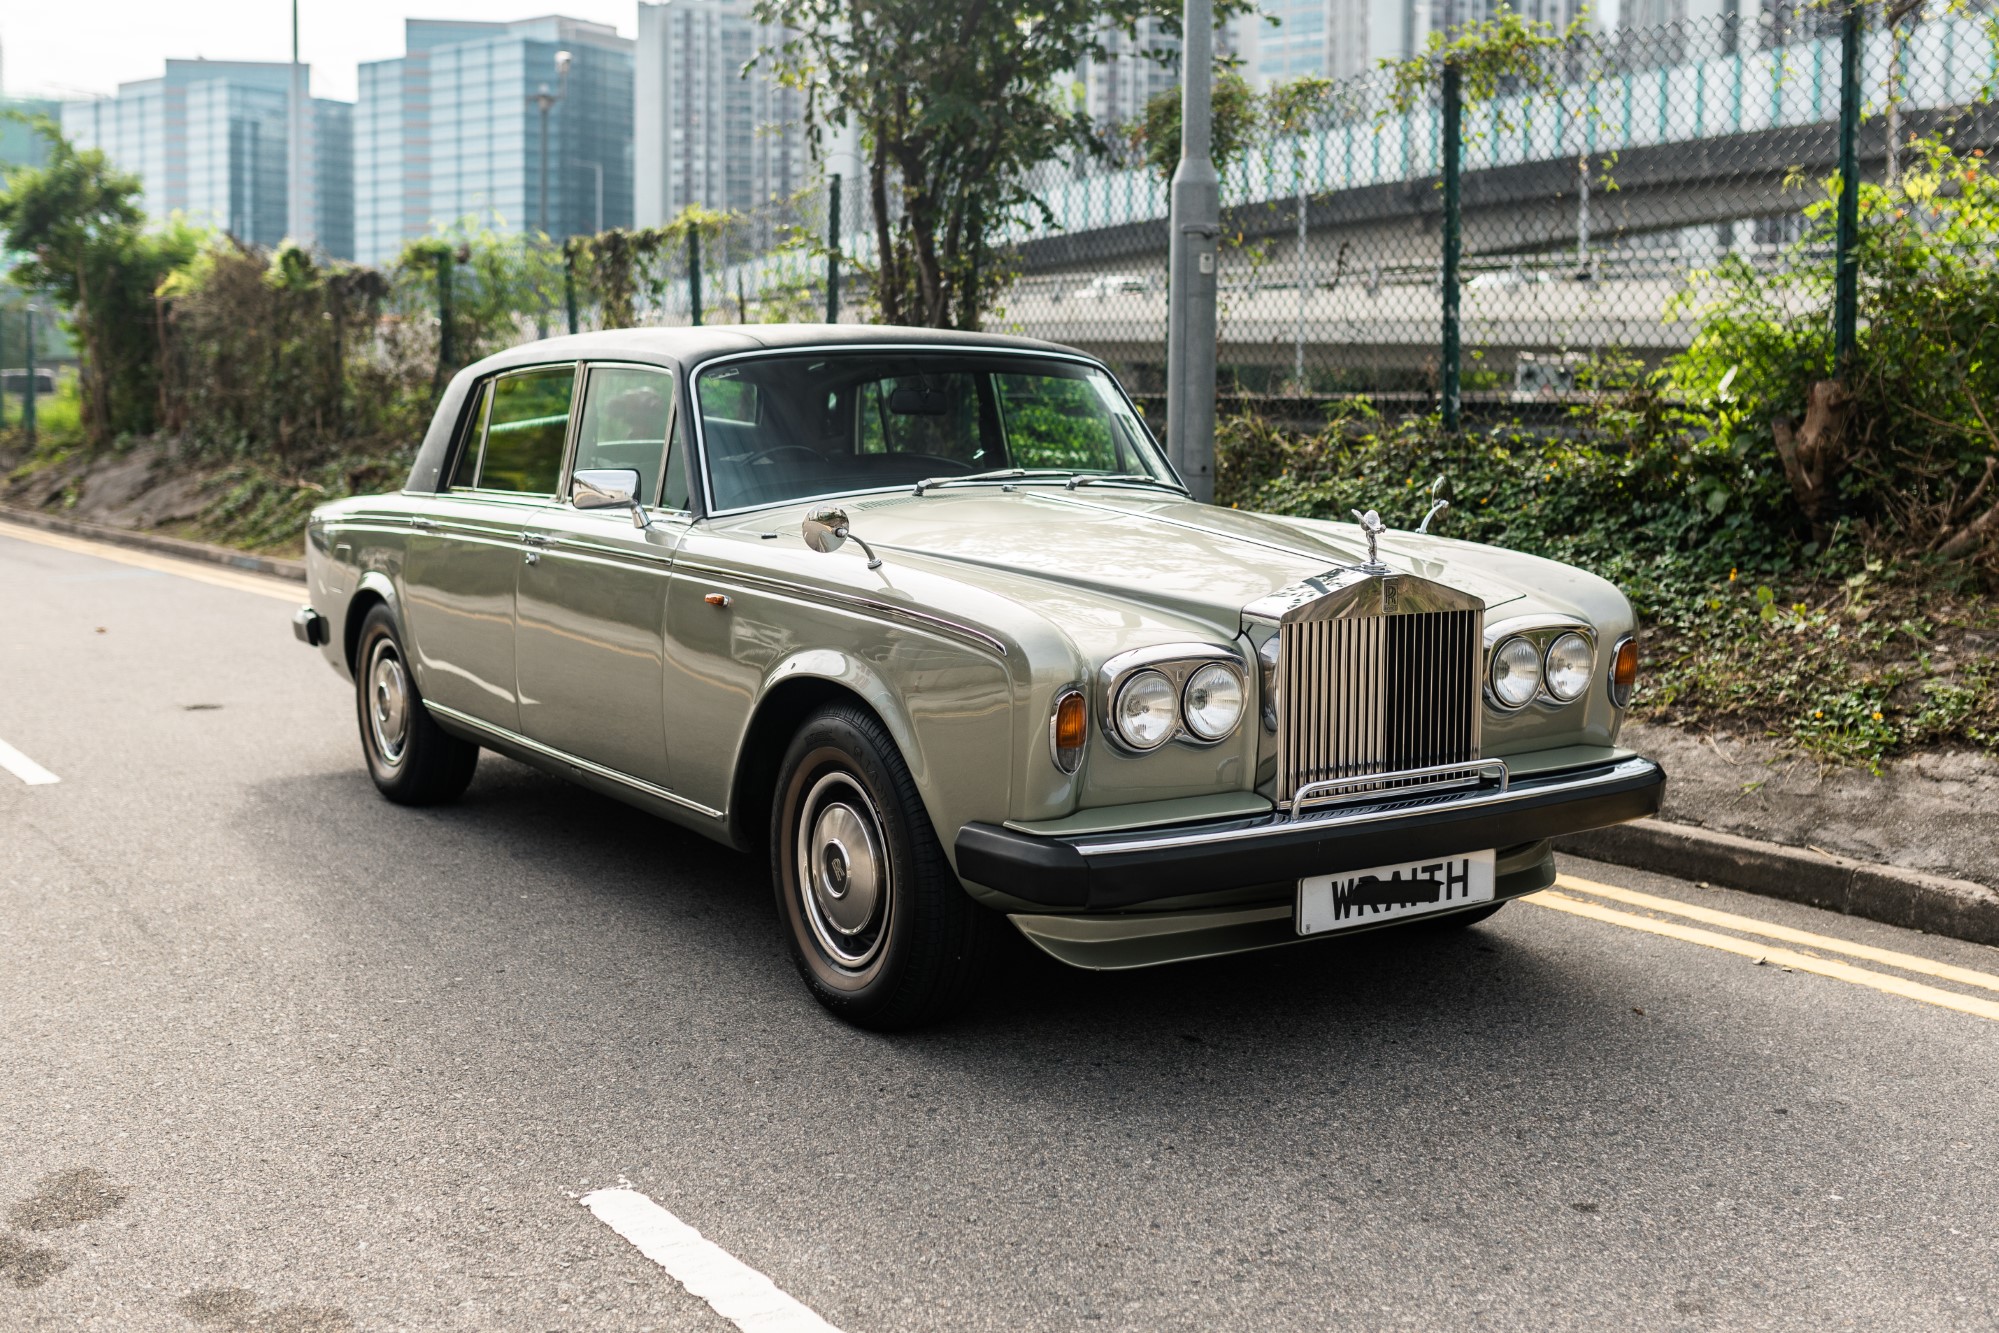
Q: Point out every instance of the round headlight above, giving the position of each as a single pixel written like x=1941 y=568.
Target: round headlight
x=1145 y=710
x=1212 y=701
x=1516 y=673
x=1568 y=667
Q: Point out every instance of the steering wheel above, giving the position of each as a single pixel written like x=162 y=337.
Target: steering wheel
x=775 y=450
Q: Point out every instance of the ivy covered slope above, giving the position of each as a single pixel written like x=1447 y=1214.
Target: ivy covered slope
x=1814 y=557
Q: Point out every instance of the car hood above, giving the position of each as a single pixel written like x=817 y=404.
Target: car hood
x=1187 y=560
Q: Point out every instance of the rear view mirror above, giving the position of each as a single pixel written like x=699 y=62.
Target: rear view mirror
x=910 y=401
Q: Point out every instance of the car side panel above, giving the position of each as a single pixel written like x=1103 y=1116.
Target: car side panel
x=948 y=703
x=590 y=616
x=463 y=559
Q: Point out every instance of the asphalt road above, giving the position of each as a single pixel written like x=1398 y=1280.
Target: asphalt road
x=277 y=1055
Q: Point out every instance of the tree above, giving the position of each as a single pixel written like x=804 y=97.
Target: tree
x=79 y=223
x=1232 y=129
x=955 y=106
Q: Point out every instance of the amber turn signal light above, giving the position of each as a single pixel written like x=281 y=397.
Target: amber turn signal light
x=1067 y=730
x=1624 y=671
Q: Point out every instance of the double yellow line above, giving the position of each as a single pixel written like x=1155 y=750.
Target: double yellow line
x=264 y=585
x=1813 y=962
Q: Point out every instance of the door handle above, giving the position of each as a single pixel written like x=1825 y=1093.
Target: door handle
x=535 y=538
x=424 y=524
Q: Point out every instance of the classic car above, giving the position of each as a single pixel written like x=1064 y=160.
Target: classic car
x=930 y=619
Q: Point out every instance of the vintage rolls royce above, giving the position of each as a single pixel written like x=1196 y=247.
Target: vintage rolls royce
x=930 y=619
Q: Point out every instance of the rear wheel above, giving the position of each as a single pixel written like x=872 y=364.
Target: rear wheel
x=412 y=760
x=878 y=924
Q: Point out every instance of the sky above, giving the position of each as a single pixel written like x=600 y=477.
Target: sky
x=74 y=48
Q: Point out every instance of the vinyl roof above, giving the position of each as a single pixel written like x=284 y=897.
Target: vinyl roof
x=689 y=345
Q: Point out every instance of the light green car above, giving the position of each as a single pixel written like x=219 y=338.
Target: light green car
x=929 y=618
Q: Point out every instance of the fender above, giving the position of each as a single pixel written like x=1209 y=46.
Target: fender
x=373 y=582
x=955 y=737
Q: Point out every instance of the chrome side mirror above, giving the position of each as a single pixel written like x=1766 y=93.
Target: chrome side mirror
x=826 y=531
x=609 y=488
x=1438 y=504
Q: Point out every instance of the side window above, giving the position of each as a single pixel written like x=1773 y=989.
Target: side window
x=674 y=496
x=474 y=433
x=525 y=429
x=625 y=414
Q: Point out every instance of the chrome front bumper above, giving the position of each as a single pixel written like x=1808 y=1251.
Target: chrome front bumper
x=1119 y=871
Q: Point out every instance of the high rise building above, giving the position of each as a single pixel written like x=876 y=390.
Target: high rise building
x=705 y=132
x=1133 y=69
x=451 y=131
x=20 y=144
x=209 y=139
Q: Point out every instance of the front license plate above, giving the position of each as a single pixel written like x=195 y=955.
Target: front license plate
x=1388 y=893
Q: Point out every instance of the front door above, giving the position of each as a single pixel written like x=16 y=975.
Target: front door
x=591 y=609
x=466 y=551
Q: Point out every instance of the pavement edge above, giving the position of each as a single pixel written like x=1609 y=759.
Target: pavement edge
x=1958 y=908
x=277 y=566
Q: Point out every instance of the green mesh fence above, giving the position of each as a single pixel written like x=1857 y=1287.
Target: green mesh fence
x=1592 y=205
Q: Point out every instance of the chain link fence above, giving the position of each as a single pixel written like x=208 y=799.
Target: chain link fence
x=1594 y=198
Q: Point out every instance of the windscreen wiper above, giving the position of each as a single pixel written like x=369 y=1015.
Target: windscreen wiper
x=998 y=474
x=1123 y=479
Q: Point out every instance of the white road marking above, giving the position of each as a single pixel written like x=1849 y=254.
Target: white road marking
x=24 y=768
x=737 y=1292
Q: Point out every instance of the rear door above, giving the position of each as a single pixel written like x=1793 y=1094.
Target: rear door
x=591 y=609
x=466 y=551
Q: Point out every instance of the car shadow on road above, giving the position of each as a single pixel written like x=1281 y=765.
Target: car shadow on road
x=523 y=847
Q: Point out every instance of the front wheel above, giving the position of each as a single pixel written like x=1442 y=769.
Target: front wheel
x=412 y=760
x=878 y=924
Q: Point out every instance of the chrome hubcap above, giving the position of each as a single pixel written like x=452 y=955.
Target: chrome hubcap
x=843 y=870
x=388 y=702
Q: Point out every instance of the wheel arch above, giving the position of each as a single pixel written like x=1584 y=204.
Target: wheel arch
x=800 y=688
x=374 y=589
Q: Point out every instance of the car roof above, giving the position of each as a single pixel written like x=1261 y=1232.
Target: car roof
x=683 y=347
x=687 y=346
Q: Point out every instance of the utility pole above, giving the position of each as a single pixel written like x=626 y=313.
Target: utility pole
x=1195 y=216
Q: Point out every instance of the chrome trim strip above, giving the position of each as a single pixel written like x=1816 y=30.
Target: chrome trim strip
x=1277 y=825
x=1398 y=785
x=563 y=756
x=852 y=601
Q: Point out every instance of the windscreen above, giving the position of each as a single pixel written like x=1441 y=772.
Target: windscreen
x=794 y=426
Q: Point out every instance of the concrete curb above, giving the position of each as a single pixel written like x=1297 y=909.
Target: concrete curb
x=1933 y=903
x=275 y=566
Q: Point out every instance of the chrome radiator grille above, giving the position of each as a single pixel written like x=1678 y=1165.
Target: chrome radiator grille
x=1368 y=694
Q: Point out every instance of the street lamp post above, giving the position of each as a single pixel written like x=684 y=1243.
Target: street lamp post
x=545 y=101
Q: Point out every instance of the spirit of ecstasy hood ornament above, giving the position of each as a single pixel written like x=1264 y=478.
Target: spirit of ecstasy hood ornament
x=1372 y=527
